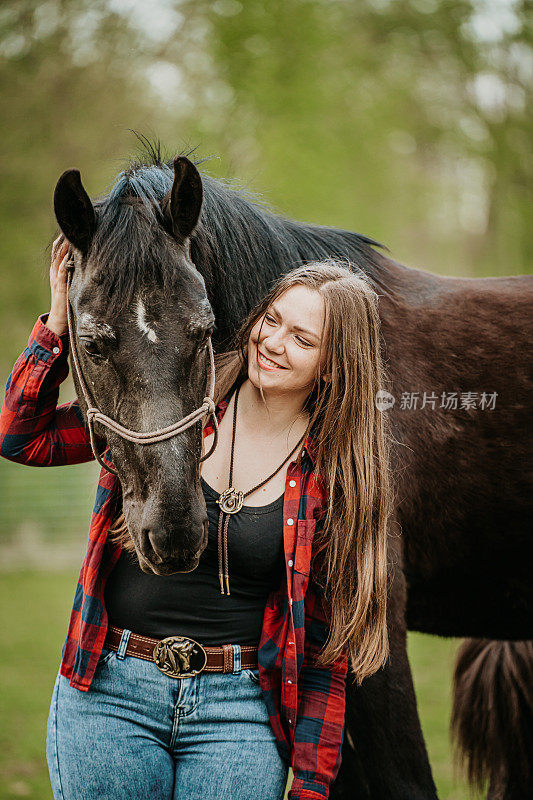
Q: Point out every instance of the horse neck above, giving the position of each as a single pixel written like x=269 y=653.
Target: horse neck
x=239 y=269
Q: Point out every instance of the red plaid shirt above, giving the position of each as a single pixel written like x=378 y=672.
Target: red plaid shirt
x=305 y=702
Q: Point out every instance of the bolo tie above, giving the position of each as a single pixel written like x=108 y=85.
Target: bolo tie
x=231 y=502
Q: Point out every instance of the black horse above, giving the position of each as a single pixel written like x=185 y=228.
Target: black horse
x=460 y=546
x=133 y=270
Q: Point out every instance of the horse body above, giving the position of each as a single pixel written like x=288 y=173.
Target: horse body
x=462 y=473
x=459 y=543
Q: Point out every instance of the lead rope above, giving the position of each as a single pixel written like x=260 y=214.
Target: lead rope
x=149 y=437
x=231 y=501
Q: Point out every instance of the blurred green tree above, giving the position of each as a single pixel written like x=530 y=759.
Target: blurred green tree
x=403 y=119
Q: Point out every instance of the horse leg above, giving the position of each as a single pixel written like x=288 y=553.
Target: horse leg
x=384 y=754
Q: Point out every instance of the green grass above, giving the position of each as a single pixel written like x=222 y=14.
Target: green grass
x=36 y=607
x=432 y=660
x=49 y=506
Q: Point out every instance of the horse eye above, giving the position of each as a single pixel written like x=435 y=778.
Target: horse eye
x=91 y=348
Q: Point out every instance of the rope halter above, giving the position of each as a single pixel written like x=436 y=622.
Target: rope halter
x=139 y=437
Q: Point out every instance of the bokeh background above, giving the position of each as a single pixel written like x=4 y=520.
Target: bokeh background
x=406 y=120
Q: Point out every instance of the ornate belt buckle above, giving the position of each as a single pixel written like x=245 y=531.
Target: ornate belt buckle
x=179 y=657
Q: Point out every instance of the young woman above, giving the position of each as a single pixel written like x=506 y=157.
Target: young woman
x=290 y=591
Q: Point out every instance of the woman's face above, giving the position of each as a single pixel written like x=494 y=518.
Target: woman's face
x=285 y=348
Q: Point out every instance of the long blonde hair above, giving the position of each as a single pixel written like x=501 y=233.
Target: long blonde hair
x=353 y=456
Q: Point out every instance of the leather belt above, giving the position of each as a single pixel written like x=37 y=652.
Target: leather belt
x=179 y=656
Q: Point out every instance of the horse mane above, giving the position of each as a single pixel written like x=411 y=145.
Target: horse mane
x=240 y=245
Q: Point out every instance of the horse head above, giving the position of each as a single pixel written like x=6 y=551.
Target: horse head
x=141 y=322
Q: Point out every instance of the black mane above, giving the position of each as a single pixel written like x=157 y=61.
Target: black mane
x=240 y=246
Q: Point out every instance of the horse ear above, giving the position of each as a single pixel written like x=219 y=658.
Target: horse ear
x=182 y=205
x=74 y=210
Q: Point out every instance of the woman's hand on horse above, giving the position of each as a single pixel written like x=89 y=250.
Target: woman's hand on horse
x=57 y=319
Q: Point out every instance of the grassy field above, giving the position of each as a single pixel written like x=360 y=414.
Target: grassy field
x=36 y=607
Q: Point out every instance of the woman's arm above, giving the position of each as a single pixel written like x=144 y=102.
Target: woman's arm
x=316 y=753
x=34 y=430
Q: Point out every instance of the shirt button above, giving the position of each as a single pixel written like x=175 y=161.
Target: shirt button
x=55 y=350
x=289 y=681
x=290 y=562
x=292 y=483
x=290 y=521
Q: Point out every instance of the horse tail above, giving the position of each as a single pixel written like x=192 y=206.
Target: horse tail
x=492 y=716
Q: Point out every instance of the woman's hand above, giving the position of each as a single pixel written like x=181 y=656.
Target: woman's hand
x=57 y=319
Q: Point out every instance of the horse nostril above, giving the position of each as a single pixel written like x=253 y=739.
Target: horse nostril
x=153 y=539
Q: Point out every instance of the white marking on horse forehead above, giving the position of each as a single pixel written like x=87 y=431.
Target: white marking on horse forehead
x=141 y=321
x=99 y=328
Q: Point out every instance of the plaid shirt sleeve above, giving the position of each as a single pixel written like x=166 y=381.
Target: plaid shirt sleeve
x=316 y=754
x=34 y=430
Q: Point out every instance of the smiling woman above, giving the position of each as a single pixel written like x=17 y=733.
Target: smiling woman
x=289 y=338
x=307 y=361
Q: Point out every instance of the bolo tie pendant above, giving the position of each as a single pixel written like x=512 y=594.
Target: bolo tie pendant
x=230 y=502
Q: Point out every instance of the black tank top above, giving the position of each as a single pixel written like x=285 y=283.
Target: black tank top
x=190 y=604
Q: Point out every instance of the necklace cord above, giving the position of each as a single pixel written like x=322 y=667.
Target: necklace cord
x=230 y=502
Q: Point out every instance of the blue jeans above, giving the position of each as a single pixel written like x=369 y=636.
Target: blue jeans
x=138 y=734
